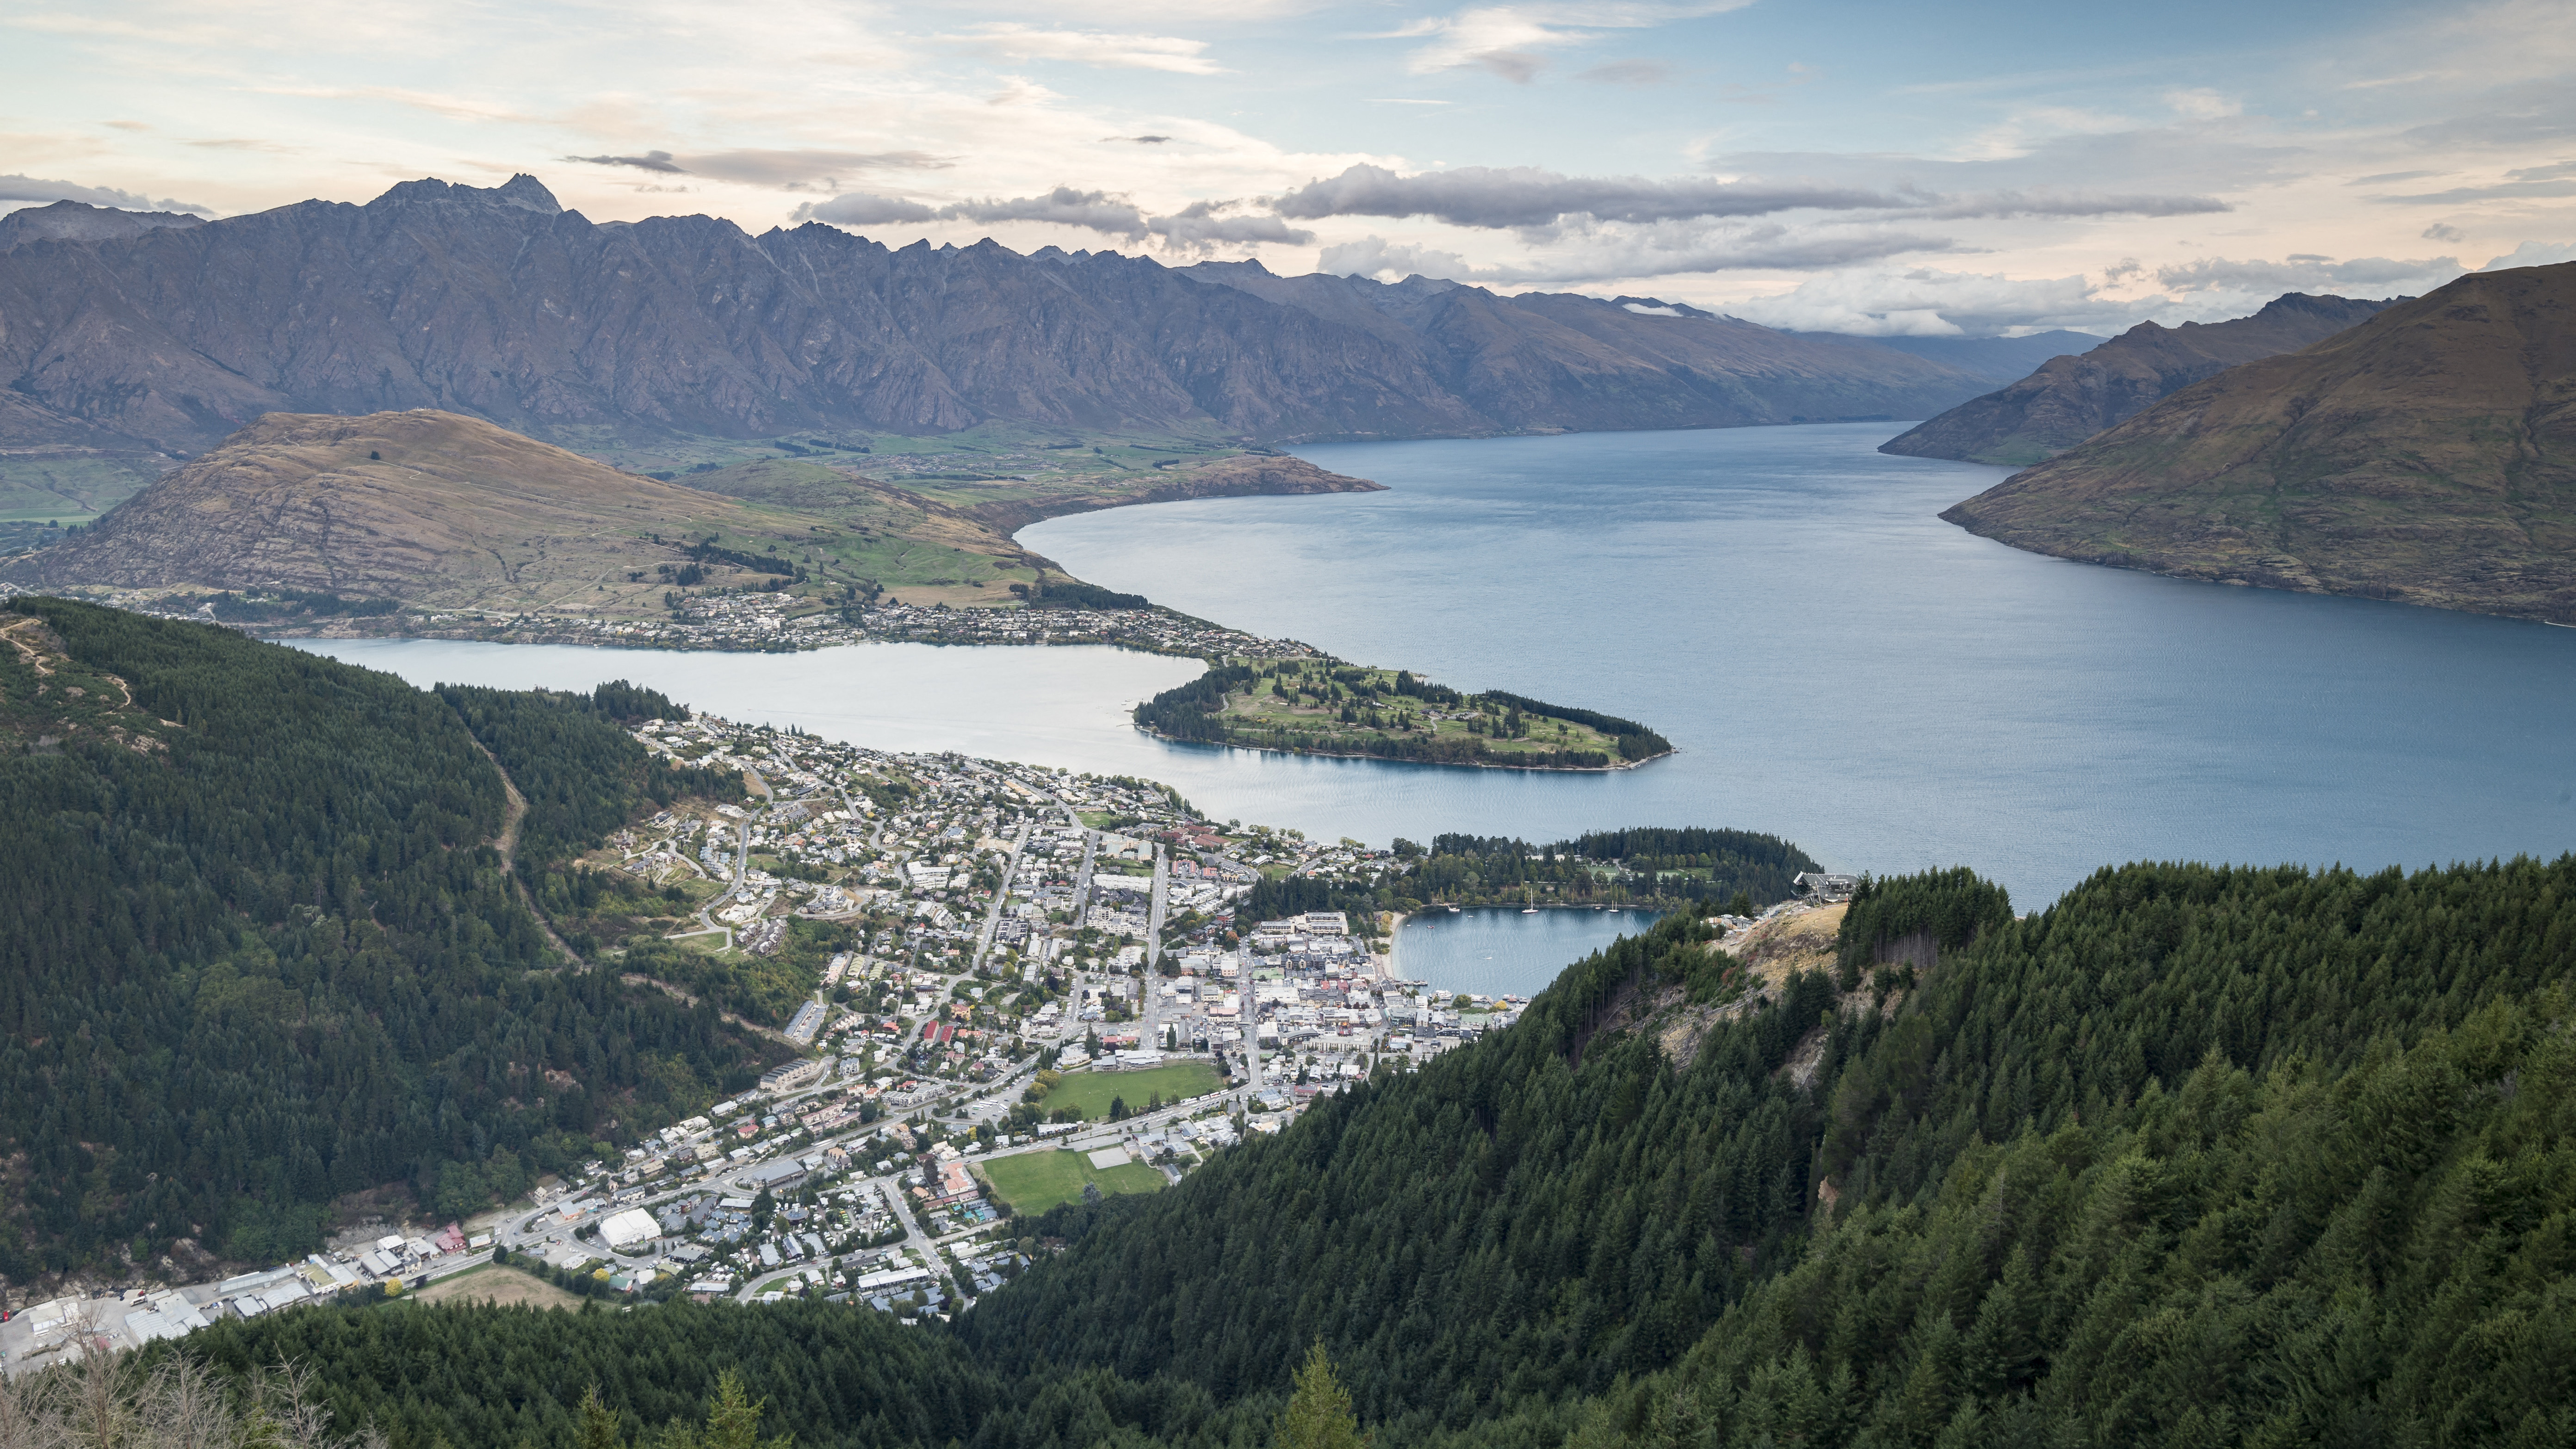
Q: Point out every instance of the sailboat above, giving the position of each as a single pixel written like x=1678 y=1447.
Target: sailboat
x=1532 y=908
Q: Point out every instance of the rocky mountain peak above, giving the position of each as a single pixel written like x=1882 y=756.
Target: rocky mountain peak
x=521 y=192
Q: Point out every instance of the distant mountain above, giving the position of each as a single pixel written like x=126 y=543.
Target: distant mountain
x=79 y=221
x=496 y=303
x=2427 y=455
x=2070 y=399
x=1998 y=359
x=1557 y=360
x=438 y=509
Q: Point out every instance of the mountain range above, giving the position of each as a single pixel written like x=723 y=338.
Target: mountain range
x=2070 y=398
x=497 y=303
x=2426 y=455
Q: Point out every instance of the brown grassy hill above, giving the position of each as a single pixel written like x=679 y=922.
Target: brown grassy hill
x=2069 y=399
x=2427 y=455
x=446 y=511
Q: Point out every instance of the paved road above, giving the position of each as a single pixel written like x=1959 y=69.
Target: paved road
x=1001 y=898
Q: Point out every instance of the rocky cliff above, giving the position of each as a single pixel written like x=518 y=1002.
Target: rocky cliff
x=497 y=303
x=2069 y=399
x=2427 y=455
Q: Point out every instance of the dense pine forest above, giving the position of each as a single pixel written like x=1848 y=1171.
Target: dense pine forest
x=264 y=956
x=2196 y=1155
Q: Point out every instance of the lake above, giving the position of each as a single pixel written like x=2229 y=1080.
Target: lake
x=1491 y=951
x=1836 y=664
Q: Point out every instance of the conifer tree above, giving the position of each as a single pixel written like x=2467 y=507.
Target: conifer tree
x=1319 y=1414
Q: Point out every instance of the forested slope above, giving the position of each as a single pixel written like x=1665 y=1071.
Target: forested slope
x=263 y=955
x=2196 y=1155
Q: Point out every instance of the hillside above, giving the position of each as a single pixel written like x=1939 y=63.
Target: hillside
x=442 y=511
x=264 y=958
x=2241 y=1156
x=2069 y=399
x=496 y=303
x=2427 y=456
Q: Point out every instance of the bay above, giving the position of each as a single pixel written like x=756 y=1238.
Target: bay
x=1494 y=950
x=1836 y=665
x=1839 y=666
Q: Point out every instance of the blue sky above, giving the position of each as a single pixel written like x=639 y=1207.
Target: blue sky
x=1865 y=166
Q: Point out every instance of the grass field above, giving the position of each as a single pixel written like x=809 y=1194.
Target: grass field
x=1091 y=1091
x=503 y=1287
x=1032 y=1182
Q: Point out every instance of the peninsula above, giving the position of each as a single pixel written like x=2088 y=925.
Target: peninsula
x=1321 y=706
x=432 y=524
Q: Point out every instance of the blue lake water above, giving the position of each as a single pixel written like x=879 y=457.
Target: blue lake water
x=1494 y=951
x=1836 y=664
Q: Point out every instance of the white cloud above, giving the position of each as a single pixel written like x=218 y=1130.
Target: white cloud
x=1200 y=229
x=1089 y=47
x=1634 y=254
x=2533 y=254
x=2360 y=276
x=1925 y=302
x=30 y=189
x=2203 y=104
x=1512 y=41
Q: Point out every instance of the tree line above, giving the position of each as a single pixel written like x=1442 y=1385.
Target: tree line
x=274 y=961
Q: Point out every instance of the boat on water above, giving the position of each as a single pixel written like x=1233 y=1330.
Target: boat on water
x=1531 y=908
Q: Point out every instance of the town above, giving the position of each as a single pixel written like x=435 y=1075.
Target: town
x=1048 y=991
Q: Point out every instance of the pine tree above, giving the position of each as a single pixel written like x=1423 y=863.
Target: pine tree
x=1319 y=1414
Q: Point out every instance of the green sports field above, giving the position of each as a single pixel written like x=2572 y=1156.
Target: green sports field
x=1032 y=1182
x=1091 y=1091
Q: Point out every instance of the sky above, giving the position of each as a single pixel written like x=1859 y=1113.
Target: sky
x=1962 y=169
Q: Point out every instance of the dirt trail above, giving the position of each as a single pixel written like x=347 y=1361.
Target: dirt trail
x=514 y=809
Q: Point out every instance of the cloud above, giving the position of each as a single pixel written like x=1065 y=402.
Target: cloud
x=1511 y=40
x=1064 y=206
x=2308 y=274
x=1674 y=249
x=1526 y=197
x=649 y=161
x=2202 y=104
x=1628 y=73
x=1199 y=229
x=1375 y=256
x=1139 y=140
x=1523 y=196
x=1089 y=47
x=29 y=188
x=2443 y=231
x=1091 y=210
x=860 y=208
x=790 y=170
x=1926 y=302
x=2501 y=191
x=2533 y=254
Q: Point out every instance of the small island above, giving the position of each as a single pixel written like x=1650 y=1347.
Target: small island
x=1324 y=706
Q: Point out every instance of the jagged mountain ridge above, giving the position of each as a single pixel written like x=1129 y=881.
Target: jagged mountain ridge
x=2069 y=399
x=497 y=303
x=80 y=221
x=2427 y=455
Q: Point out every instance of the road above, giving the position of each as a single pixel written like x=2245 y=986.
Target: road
x=1001 y=899
x=1147 y=993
